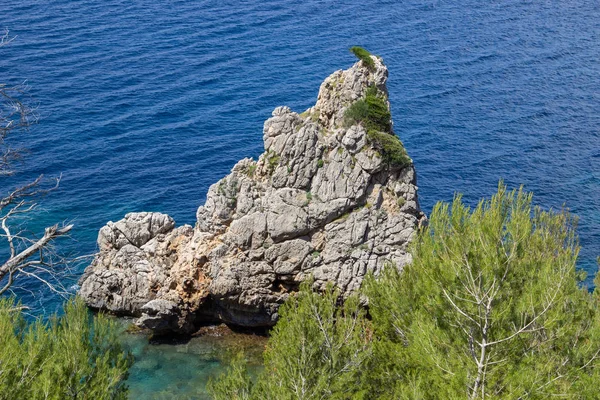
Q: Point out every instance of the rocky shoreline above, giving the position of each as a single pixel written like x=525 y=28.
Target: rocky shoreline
x=322 y=201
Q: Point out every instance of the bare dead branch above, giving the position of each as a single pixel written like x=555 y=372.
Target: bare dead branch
x=18 y=262
x=6 y=38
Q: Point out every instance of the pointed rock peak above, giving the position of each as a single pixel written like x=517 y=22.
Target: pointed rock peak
x=342 y=88
x=333 y=196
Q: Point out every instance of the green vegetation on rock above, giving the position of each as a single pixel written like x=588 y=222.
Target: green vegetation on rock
x=373 y=113
x=65 y=358
x=272 y=160
x=390 y=147
x=491 y=307
x=357 y=112
x=401 y=202
x=379 y=116
x=364 y=56
x=251 y=170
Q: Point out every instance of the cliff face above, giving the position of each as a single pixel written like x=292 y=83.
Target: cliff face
x=323 y=200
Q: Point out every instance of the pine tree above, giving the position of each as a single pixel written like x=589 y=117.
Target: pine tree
x=489 y=308
x=69 y=357
x=316 y=351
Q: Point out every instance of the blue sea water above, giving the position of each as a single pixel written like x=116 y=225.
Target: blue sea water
x=144 y=104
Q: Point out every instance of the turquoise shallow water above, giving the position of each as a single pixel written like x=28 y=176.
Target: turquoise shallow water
x=144 y=104
x=181 y=369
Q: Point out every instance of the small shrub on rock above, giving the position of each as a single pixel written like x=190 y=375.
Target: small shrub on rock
x=373 y=113
x=390 y=147
x=364 y=56
x=357 y=112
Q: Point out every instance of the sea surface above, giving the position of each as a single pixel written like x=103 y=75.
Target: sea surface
x=144 y=104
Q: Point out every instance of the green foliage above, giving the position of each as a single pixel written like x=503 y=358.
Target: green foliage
x=66 y=358
x=364 y=56
x=234 y=384
x=379 y=117
x=490 y=307
x=273 y=160
x=357 y=112
x=316 y=351
x=329 y=341
x=373 y=113
x=320 y=163
x=390 y=147
x=251 y=170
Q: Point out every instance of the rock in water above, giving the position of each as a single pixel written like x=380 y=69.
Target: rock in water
x=328 y=198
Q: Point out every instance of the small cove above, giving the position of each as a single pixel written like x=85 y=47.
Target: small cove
x=144 y=105
x=179 y=368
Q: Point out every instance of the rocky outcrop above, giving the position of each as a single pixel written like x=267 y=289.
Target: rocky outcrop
x=320 y=201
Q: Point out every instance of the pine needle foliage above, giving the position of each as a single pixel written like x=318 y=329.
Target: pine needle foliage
x=316 y=351
x=357 y=112
x=235 y=383
x=490 y=308
x=379 y=117
x=69 y=357
x=373 y=113
x=390 y=148
x=363 y=55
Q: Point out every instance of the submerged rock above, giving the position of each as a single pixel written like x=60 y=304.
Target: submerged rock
x=320 y=201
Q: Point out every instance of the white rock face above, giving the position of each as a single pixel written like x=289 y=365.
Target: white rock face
x=319 y=202
x=136 y=256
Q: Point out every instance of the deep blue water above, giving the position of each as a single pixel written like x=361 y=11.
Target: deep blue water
x=144 y=104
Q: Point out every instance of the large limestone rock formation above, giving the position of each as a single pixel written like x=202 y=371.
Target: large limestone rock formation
x=320 y=201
